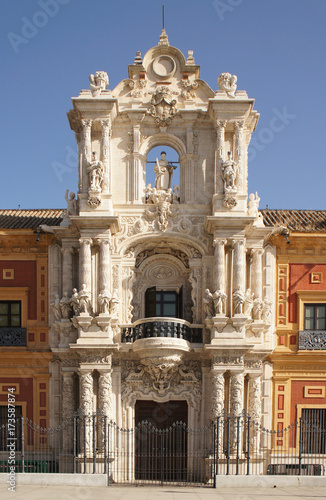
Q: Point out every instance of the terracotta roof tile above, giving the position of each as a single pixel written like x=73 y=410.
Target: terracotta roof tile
x=296 y=220
x=29 y=219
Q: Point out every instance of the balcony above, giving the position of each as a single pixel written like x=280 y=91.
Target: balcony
x=312 y=340
x=159 y=327
x=12 y=337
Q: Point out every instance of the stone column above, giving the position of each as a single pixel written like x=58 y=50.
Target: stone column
x=86 y=396
x=241 y=184
x=257 y=282
x=87 y=146
x=68 y=410
x=217 y=398
x=105 y=152
x=238 y=272
x=85 y=263
x=79 y=140
x=220 y=127
x=219 y=264
x=236 y=407
x=254 y=409
x=105 y=264
x=67 y=253
x=138 y=162
x=105 y=392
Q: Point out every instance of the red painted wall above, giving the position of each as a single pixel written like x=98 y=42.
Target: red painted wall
x=299 y=279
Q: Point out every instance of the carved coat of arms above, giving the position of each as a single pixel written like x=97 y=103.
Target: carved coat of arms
x=163 y=106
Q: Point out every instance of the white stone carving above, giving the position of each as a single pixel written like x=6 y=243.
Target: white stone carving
x=257 y=309
x=208 y=304
x=219 y=297
x=238 y=301
x=84 y=298
x=86 y=392
x=188 y=91
x=56 y=308
x=71 y=203
x=218 y=393
x=229 y=174
x=164 y=172
x=65 y=306
x=163 y=106
x=105 y=392
x=98 y=82
x=249 y=303
x=266 y=314
x=227 y=83
x=104 y=298
x=95 y=171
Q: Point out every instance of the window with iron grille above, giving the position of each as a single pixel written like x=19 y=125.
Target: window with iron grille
x=313 y=430
x=10 y=313
x=315 y=317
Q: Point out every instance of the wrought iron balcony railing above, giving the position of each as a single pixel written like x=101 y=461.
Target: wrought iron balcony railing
x=12 y=336
x=312 y=340
x=162 y=327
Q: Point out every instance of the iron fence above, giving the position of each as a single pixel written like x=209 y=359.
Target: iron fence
x=231 y=445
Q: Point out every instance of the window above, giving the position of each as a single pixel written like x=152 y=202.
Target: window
x=164 y=303
x=10 y=314
x=315 y=317
x=313 y=433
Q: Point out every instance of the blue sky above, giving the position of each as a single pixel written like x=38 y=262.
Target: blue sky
x=275 y=47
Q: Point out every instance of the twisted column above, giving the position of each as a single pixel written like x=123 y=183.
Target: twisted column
x=236 y=407
x=68 y=410
x=254 y=409
x=86 y=395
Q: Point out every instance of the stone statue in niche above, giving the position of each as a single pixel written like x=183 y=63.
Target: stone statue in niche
x=104 y=301
x=249 y=303
x=227 y=83
x=84 y=297
x=56 y=308
x=95 y=172
x=99 y=82
x=208 y=304
x=164 y=172
x=238 y=301
x=75 y=302
x=219 y=298
x=266 y=314
x=229 y=174
x=65 y=306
